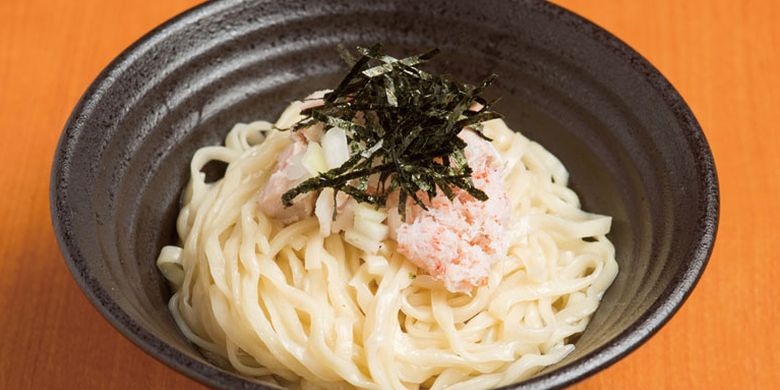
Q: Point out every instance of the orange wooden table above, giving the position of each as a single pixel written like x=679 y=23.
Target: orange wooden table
x=723 y=56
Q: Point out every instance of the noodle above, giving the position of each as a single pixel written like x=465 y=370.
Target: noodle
x=285 y=304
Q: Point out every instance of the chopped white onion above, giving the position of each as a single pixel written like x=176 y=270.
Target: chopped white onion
x=368 y=212
x=367 y=231
x=335 y=147
x=373 y=230
x=345 y=213
x=314 y=159
x=360 y=241
x=323 y=209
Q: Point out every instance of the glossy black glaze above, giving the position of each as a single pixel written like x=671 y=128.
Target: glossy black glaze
x=633 y=148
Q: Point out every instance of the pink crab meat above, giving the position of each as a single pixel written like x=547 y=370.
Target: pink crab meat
x=286 y=176
x=289 y=172
x=457 y=241
x=454 y=241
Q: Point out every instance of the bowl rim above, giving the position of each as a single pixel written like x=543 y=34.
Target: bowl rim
x=602 y=357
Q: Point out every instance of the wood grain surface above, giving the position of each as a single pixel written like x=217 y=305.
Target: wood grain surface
x=723 y=56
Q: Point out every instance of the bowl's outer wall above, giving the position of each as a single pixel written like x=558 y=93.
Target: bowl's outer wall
x=632 y=147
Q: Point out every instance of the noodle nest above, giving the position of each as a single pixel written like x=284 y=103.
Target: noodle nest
x=288 y=306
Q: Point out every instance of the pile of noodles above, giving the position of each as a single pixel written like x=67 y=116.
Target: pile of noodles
x=287 y=305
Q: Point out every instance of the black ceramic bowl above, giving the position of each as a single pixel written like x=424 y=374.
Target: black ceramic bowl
x=632 y=145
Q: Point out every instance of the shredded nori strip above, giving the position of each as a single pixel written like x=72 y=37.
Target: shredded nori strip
x=402 y=124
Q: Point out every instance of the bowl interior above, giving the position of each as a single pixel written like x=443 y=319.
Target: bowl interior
x=633 y=149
